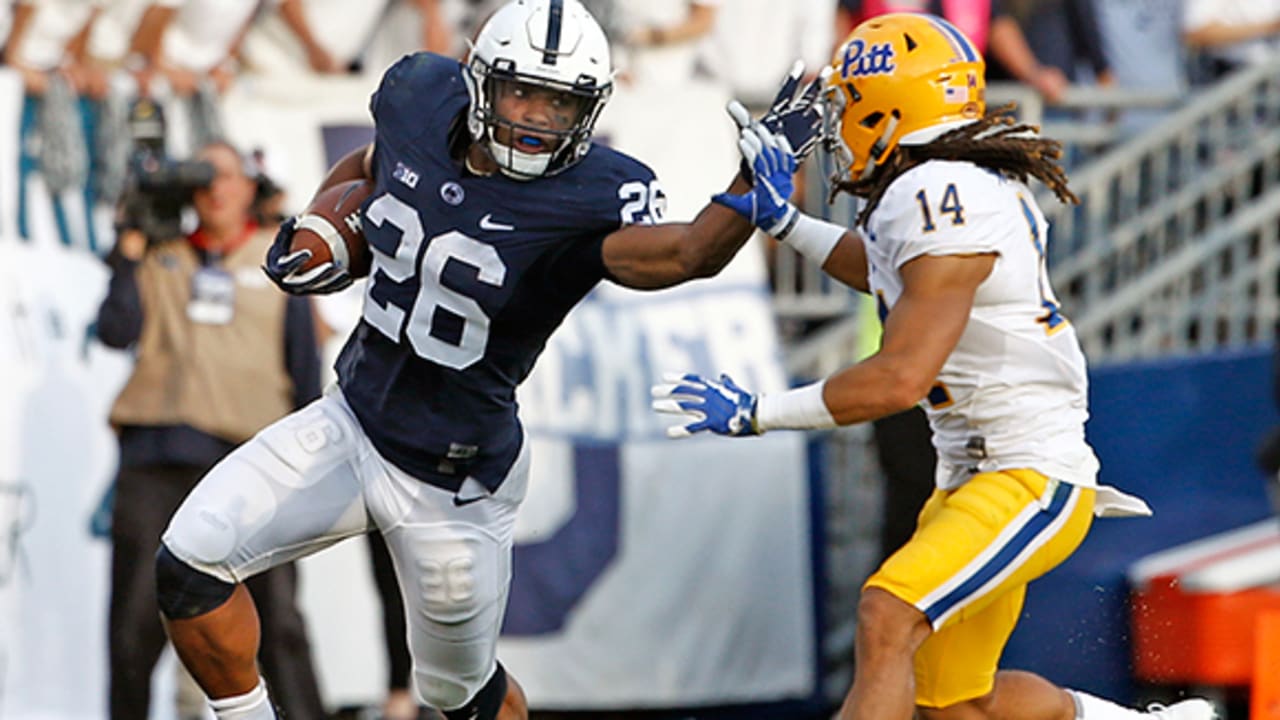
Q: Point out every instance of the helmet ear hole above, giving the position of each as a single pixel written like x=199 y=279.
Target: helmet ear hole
x=872 y=120
x=911 y=42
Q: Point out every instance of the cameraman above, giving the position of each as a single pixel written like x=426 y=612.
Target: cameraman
x=220 y=354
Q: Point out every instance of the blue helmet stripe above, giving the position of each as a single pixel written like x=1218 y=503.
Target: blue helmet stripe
x=958 y=41
x=552 y=47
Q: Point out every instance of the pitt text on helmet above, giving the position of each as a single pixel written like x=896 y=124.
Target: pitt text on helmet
x=861 y=62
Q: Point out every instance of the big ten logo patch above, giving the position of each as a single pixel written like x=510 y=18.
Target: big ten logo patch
x=861 y=61
x=17 y=516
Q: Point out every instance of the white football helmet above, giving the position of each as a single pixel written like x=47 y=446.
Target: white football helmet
x=553 y=44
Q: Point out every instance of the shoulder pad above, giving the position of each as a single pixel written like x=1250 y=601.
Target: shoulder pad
x=415 y=90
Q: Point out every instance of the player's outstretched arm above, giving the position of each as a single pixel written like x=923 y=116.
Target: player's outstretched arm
x=650 y=257
x=920 y=333
x=657 y=256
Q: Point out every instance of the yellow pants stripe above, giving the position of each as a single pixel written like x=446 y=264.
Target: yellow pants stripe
x=967 y=567
x=1028 y=532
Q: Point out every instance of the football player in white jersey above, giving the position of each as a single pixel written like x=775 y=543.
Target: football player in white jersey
x=951 y=243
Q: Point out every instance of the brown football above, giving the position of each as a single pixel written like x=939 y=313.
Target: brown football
x=330 y=228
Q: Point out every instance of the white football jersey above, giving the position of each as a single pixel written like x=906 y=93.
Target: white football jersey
x=1013 y=392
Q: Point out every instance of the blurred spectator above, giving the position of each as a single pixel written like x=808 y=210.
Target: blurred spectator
x=1231 y=34
x=46 y=47
x=220 y=354
x=661 y=38
x=466 y=16
x=411 y=25
x=186 y=51
x=1142 y=44
x=110 y=42
x=753 y=47
x=904 y=450
x=112 y=83
x=1065 y=35
x=330 y=36
x=6 y=21
x=269 y=203
x=991 y=28
x=47 y=40
x=189 y=42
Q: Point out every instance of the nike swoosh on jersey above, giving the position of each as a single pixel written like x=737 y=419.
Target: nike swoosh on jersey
x=463 y=502
x=488 y=223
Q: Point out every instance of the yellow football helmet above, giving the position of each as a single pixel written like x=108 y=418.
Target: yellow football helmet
x=901 y=78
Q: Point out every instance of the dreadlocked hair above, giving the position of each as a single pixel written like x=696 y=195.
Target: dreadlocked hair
x=995 y=142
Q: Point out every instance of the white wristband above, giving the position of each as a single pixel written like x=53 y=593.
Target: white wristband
x=799 y=409
x=811 y=237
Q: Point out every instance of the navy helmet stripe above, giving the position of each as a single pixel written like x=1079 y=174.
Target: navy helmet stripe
x=553 y=32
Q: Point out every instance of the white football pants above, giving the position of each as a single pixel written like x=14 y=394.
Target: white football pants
x=312 y=479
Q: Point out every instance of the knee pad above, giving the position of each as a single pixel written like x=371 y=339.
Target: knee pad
x=486 y=703
x=184 y=592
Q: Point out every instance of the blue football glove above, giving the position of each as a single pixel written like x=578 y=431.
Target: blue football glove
x=798 y=118
x=284 y=267
x=772 y=164
x=718 y=406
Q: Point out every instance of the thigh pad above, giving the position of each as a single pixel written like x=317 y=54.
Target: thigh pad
x=456 y=570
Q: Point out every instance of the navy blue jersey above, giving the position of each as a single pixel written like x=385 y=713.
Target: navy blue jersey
x=470 y=276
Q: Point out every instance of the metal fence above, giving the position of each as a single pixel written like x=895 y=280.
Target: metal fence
x=1173 y=249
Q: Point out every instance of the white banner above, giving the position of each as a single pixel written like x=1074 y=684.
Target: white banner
x=649 y=572
x=57 y=456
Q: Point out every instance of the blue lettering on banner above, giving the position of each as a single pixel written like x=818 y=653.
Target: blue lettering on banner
x=860 y=62
x=17 y=516
x=550 y=577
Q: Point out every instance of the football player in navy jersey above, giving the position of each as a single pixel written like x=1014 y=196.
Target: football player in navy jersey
x=492 y=216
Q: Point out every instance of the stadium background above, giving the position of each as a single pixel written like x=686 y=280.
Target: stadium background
x=649 y=575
